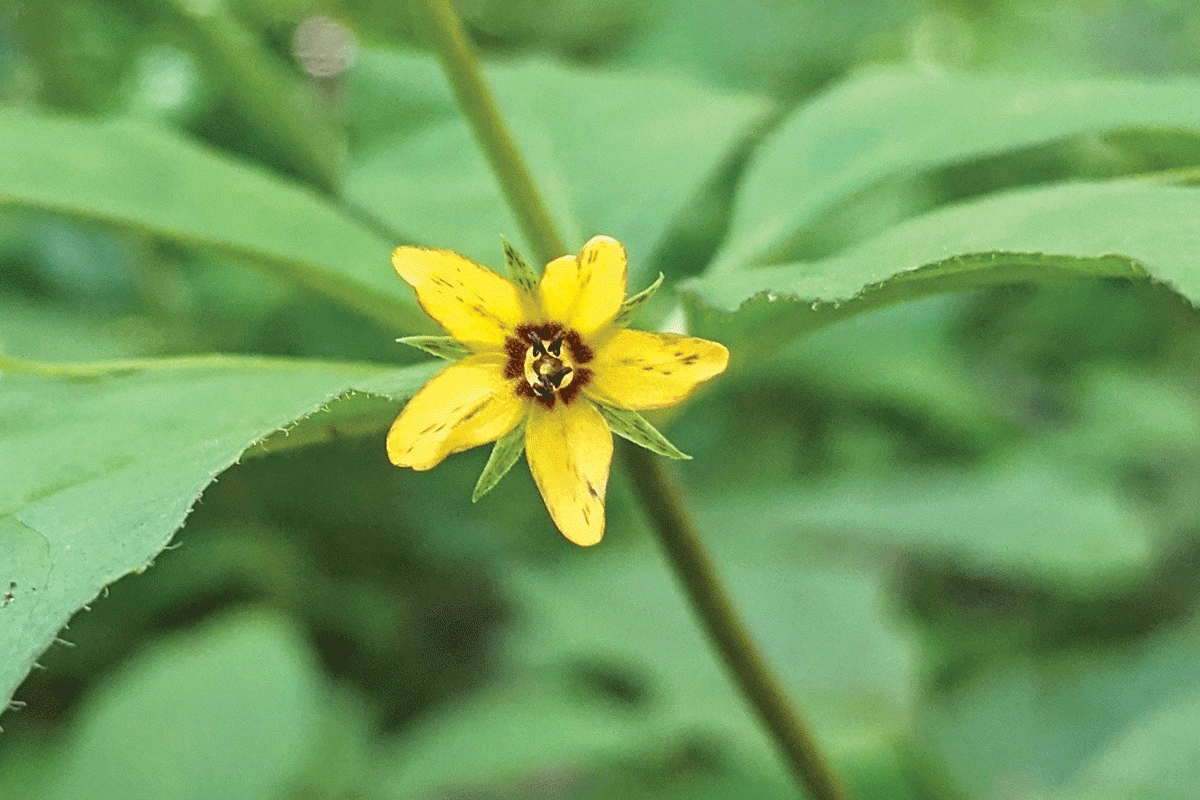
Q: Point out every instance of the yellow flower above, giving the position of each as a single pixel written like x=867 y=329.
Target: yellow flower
x=545 y=365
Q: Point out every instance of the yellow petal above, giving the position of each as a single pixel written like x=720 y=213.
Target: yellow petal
x=584 y=292
x=475 y=305
x=638 y=370
x=569 y=450
x=468 y=403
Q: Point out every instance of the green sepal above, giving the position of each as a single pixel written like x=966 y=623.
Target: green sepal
x=518 y=269
x=633 y=426
x=506 y=452
x=440 y=346
x=632 y=304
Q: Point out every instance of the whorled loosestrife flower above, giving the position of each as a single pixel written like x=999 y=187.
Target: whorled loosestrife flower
x=545 y=366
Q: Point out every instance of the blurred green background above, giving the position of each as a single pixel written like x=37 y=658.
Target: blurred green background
x=964 y=529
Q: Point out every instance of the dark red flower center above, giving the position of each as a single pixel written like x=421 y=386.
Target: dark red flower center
x=546 y=362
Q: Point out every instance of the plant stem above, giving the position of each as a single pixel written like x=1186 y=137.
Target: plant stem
x=656 y=488
x=663 y=503
x=445 y=31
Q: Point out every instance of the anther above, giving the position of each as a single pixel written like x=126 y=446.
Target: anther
x=535 y=343
x=546 y=356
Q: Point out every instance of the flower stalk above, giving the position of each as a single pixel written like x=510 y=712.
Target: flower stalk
x=656 y=488
x=445 y=32
x=660 y=497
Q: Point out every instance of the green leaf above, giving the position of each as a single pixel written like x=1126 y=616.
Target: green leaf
x=441 y=346
x=991 y=522
x=890 y=123
x=1044 y=723
x=521 y=273
x=903 y=360
x=143 y=177
x=785 y=48
x=504 y=455
x=276 y=102
x=633 y=426
x=821 y=628
x=631 y=305
x=389 y=92
x=1156 y=758
x=244 y=694
x=630 y=182
x=46 y=332
x=1121 y=229
x=104 y=462
x=621 y=616
x=509 y=732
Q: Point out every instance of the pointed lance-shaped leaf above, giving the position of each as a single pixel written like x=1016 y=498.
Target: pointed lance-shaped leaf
x=633 y=426
x=504 y=454
x=441 y=346
x=632 y=304
x=518 y=268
